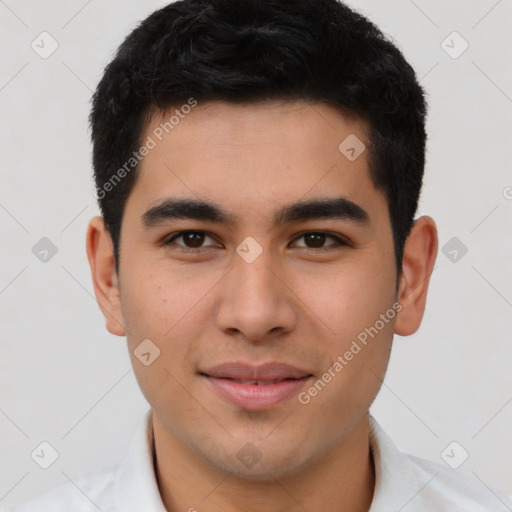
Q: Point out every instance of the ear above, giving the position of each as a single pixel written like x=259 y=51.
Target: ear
x=420 y=253
x=100 y=252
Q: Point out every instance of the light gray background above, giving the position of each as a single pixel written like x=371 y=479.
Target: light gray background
x=66 y=380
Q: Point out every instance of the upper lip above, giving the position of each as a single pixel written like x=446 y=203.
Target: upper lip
x=271 y=371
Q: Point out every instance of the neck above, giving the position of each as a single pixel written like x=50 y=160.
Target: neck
x=342 y=480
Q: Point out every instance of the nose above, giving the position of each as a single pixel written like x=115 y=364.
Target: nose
x=254 y=301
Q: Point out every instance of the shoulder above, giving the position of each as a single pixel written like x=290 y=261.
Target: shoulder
x=412 y=484
x=86 y=493
x=448 y=489
x=128 y=485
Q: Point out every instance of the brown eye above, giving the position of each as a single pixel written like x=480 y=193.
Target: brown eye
x=190 y=240
x=193 y=238
x=315 y=240
x=318 y=239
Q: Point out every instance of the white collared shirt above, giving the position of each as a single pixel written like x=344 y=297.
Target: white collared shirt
x=404 y=483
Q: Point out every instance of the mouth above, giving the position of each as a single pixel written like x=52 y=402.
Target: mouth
x=255 y=387
x=257 y=382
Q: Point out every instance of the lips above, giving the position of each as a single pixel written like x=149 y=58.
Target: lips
x=269 y=372
x=257 y=382
x=255 y=387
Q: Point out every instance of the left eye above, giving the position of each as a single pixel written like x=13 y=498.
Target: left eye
x=191 y=239
x=316 y=240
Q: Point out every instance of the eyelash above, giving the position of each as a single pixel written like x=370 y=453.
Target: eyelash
x=340 y=242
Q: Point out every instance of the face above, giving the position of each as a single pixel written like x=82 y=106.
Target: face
x=228 y=291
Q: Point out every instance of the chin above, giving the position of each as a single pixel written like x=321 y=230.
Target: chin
x=264 y=464
x=263 y=471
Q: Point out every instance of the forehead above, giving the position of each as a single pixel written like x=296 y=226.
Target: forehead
x=254 y=155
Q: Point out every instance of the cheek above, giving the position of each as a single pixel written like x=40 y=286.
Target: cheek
x=169 y=310
x=356 y=304
x=347 y=298
x=155 y=310
x=157 y=301
x=354 y=375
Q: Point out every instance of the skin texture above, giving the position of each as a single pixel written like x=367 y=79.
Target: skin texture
x=295 y=303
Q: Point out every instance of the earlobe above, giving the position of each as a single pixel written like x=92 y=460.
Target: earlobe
x=104 y=277
x=418 y=263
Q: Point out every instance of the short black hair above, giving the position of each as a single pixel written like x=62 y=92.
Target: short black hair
x=243 y=51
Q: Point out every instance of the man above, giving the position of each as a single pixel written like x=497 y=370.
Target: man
x=258 y=165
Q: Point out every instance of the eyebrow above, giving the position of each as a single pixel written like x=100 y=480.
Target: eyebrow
x=339 y=208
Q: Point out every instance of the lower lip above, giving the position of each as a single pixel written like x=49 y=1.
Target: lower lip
x=255 y=397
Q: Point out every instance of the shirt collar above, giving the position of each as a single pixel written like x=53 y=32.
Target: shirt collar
x=136 y=485
x=396 y=477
